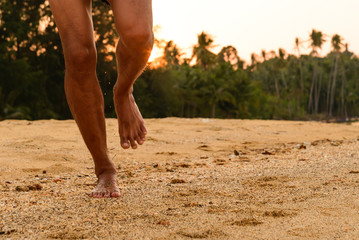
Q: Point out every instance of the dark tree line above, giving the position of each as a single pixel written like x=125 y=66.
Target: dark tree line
x=275 y=85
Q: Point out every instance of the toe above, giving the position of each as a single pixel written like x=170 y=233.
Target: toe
x=142 y=135
x=107 y=194
x=124 y=143
x=143 y=129
x=98 y=195
x=133 y=143
x=139 y=140
x=115 y=194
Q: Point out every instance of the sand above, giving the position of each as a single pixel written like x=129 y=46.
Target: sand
x=192 y=179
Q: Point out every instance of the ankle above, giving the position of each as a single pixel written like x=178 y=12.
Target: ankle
x=106 y=171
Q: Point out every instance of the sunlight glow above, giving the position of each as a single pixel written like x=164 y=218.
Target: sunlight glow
x=251 y=26
x=155 y=54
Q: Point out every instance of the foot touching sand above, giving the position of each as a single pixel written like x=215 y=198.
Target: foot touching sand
x=106 y=186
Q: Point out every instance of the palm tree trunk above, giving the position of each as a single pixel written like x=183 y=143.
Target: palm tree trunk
x=329 y=85
x=276 y=87
x=301 y=76
x=182 y=109
x=213 y=111
x=283 y=79
x=189 y=106
x=333 y=86
x=342 y=95
x=310 y=102
x=317 y=94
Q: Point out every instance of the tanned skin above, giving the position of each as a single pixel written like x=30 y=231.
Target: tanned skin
x=133 y=20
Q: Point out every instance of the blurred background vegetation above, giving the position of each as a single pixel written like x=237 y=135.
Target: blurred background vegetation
x=274 y=85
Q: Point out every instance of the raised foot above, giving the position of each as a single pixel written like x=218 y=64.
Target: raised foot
x=106 y=187
x=131 y=126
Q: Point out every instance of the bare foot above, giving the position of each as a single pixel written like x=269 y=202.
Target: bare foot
x=130 y=122
x=106 y=187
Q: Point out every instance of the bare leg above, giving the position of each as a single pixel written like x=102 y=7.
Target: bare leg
x=133 y=21
x=73 y=19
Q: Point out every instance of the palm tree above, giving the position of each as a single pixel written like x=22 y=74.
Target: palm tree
x=317 y=40
x=205 y=58
x=171 y=54
x=264 y=55
x=297 y=47
x=216 y=86
x=230 y=54
x=336 y=46
x=281 y=53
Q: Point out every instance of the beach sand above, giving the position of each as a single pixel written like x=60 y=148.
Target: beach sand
x=192 y=179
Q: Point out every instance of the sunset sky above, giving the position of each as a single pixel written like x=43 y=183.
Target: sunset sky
x=253 y=25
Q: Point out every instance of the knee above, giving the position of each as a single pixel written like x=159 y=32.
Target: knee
x=139 y=40
x=81 y=58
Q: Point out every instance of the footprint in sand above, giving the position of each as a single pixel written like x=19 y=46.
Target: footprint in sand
x=59 y=168
x=247 y=222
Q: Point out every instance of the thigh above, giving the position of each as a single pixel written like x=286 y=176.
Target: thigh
x=74 y=22
x=132 y=15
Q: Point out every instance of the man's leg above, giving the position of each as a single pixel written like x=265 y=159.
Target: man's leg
x=133 y=21
x=84 y=96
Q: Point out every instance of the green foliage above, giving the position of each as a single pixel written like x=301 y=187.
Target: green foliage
x=204 y=57
x=276 y=85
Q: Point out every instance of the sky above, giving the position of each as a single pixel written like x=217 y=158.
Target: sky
x=255 y=25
